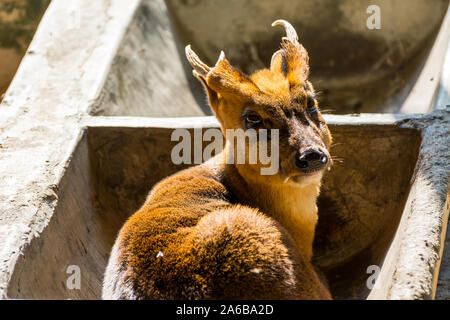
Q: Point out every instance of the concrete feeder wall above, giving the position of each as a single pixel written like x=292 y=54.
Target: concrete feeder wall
x=75 y=165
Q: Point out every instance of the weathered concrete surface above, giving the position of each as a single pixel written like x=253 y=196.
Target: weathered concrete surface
x=41 y=113
x=429 y=213
x=147 y=77
x=413 y=260
x=56 y=198
x=73 y=236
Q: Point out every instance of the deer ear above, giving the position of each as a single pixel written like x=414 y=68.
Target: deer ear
x=231 y=82
x=277 y=63
x=223 y=80
x=212 y=95
x=292 y=59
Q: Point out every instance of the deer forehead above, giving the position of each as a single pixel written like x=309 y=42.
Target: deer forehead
x=278 y=93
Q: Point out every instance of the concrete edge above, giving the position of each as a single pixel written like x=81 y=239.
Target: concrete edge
x=42 y=114
x=211 y=121
x=416 y=251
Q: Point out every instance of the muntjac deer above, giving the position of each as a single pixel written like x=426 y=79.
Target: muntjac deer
x=223 y=230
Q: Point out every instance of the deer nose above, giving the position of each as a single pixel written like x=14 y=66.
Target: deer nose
x=311 y=160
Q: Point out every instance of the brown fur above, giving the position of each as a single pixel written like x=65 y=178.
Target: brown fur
x=223 y=231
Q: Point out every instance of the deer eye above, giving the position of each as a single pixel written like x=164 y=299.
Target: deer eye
x=311 y=103
x=252 y=119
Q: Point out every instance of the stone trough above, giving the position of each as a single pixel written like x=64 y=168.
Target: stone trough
x=86 y=126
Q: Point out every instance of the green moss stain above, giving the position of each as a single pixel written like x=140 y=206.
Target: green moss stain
x=18 y=22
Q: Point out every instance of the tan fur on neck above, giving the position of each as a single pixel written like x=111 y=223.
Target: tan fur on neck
x=295 y=208
x=291 y=204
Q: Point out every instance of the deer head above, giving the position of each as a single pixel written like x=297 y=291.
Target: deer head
x=277 y=98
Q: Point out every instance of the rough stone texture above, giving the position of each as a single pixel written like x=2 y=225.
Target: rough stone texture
x=426 y=222
x=147 y=77
x=60 y=76
x=74 y=235
x=429 y=213
x=70 y=179
x=413 y=260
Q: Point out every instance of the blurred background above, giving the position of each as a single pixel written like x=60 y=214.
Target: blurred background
x=18 y=22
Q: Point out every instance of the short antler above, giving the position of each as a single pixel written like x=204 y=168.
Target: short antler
x=292 y=59
x=199 y=66
x=290 y=31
